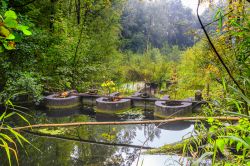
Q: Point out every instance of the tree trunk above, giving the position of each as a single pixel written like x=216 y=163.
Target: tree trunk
x=52 y=15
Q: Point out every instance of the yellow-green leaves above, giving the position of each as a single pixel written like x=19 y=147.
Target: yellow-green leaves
x=53 y=131
x=7 y=148
x=11 y=37
x=108 y=84
x=4 y=32
x=219 y=16
x=9 y=45
x=10 y=14
x=7 y=135
x=8 y=25
x=24 y=29
x=221 y=144
x=10 y=19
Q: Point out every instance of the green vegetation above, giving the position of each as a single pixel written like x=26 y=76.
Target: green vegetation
x=53 y=46
x=9 y=138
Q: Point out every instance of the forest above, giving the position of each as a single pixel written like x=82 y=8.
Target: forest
x=98 y=47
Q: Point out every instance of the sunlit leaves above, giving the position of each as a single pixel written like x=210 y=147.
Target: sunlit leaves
x=10 y=23
x=10 y=14
x=4 y=31
x=7 y=30
x=4 y=138
x=24 y=29
x=9 y=45
x=108 y=84
x=220 y=144
x=240 y=142
x=10 y=37
x=108 y=136
x=7 y=133
x=219 y=16
x=6 y=148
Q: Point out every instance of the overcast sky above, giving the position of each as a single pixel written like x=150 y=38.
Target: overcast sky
x=193 y=5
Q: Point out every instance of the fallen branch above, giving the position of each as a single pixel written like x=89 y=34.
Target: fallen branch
x=178 y=147
x=85 y=141
x=224 y=118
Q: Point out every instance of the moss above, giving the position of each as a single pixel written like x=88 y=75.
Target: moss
x=169 y=148
x=130 y=111
x=52 y=132
x=112 y=112
x=63 y=106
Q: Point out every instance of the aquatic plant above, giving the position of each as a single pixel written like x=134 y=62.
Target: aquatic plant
x=9 y=138
x=109 y=86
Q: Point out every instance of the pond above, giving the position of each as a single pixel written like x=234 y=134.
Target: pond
x=100 y=144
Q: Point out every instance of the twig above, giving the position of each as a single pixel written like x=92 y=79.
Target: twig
x=218 y=55
x=83 y=141
x=217 y=19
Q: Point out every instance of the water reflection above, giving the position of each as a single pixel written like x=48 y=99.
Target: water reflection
x=160 y=160
x=62 y=113
x=176 y=126
x=97 y=145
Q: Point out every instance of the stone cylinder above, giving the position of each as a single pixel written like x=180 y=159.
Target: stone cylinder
x=198 y=95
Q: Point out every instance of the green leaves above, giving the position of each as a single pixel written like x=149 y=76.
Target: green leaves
x=219 y=16
x=6 y=148
x=24 y=29
x=9 y=45
x=10 y=14
x=10 y=37
x=210 y=120
x=7 y=134
x=244 y=97
x=5 y=139
x=239 y=140
x=10 y=19
x=220 y=144
x=4 y=31
x=10 y=23
x=7 y=30
x=1 y=49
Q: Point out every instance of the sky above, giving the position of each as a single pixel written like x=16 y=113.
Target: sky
x=193 y=5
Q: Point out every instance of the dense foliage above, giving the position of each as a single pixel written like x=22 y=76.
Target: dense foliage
x=156 y=24
x=65 y=51
x=57 y=45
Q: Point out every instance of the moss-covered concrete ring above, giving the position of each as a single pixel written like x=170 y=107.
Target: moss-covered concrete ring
x=172 y=108
x=104 y=105
x=53 y=102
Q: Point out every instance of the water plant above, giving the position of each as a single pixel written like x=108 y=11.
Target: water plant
x=109 y=86
x=9 y=137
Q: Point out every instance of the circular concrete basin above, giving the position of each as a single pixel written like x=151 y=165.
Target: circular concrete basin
x=172 y=108
x=105 y=105
x=53 y=102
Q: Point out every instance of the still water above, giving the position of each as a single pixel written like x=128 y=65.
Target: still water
x=100 y=144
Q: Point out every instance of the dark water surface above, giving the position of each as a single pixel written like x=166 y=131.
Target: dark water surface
x=100 y=144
